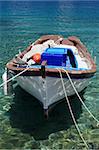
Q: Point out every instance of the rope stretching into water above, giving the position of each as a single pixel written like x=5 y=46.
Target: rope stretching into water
x=71 y=112
x=14 y=77
x=65 y=96
x=80 y=98
x=70 y=82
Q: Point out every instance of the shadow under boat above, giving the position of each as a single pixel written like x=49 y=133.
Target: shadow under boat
x=27 y=114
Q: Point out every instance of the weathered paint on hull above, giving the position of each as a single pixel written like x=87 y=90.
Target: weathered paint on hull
x=50 y=90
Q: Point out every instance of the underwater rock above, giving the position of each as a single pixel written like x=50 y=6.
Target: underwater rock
x=7 y=107
x=57 y=145
x=82 y=126
x=55 y=136
x=32 y=145
x=46 y=143
x=4 y=145
x=95 y=134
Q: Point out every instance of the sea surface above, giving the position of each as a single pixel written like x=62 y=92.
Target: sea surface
x=22 y=124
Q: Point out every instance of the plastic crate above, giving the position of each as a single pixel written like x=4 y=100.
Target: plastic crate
x=56 y=50
x=55 y=56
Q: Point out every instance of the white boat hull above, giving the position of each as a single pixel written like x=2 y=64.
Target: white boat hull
x=50 y=90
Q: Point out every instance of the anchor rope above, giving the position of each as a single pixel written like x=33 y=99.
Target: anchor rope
x=81 y=98
x=70 y=82
x=14 y=77
x=71 y=112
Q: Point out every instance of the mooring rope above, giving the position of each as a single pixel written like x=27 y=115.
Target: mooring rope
x=81 y=98
x=71 y=112
x=70 y=82
x=14 y=77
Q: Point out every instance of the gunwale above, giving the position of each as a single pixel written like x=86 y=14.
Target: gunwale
x=72 y=40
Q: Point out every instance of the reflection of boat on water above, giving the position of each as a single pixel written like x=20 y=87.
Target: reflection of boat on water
x=42 y=61
x=26 y=114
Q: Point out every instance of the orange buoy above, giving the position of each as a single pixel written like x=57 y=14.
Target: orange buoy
x=37 y=57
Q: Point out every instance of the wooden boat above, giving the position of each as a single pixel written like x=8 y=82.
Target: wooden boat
x=41 y=77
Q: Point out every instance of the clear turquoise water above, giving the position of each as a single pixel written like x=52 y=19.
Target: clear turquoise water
x=22 y=124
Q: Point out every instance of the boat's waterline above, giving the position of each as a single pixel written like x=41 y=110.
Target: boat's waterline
x=49 y=90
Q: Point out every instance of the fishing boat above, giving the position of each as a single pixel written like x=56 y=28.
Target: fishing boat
x=37 y=69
